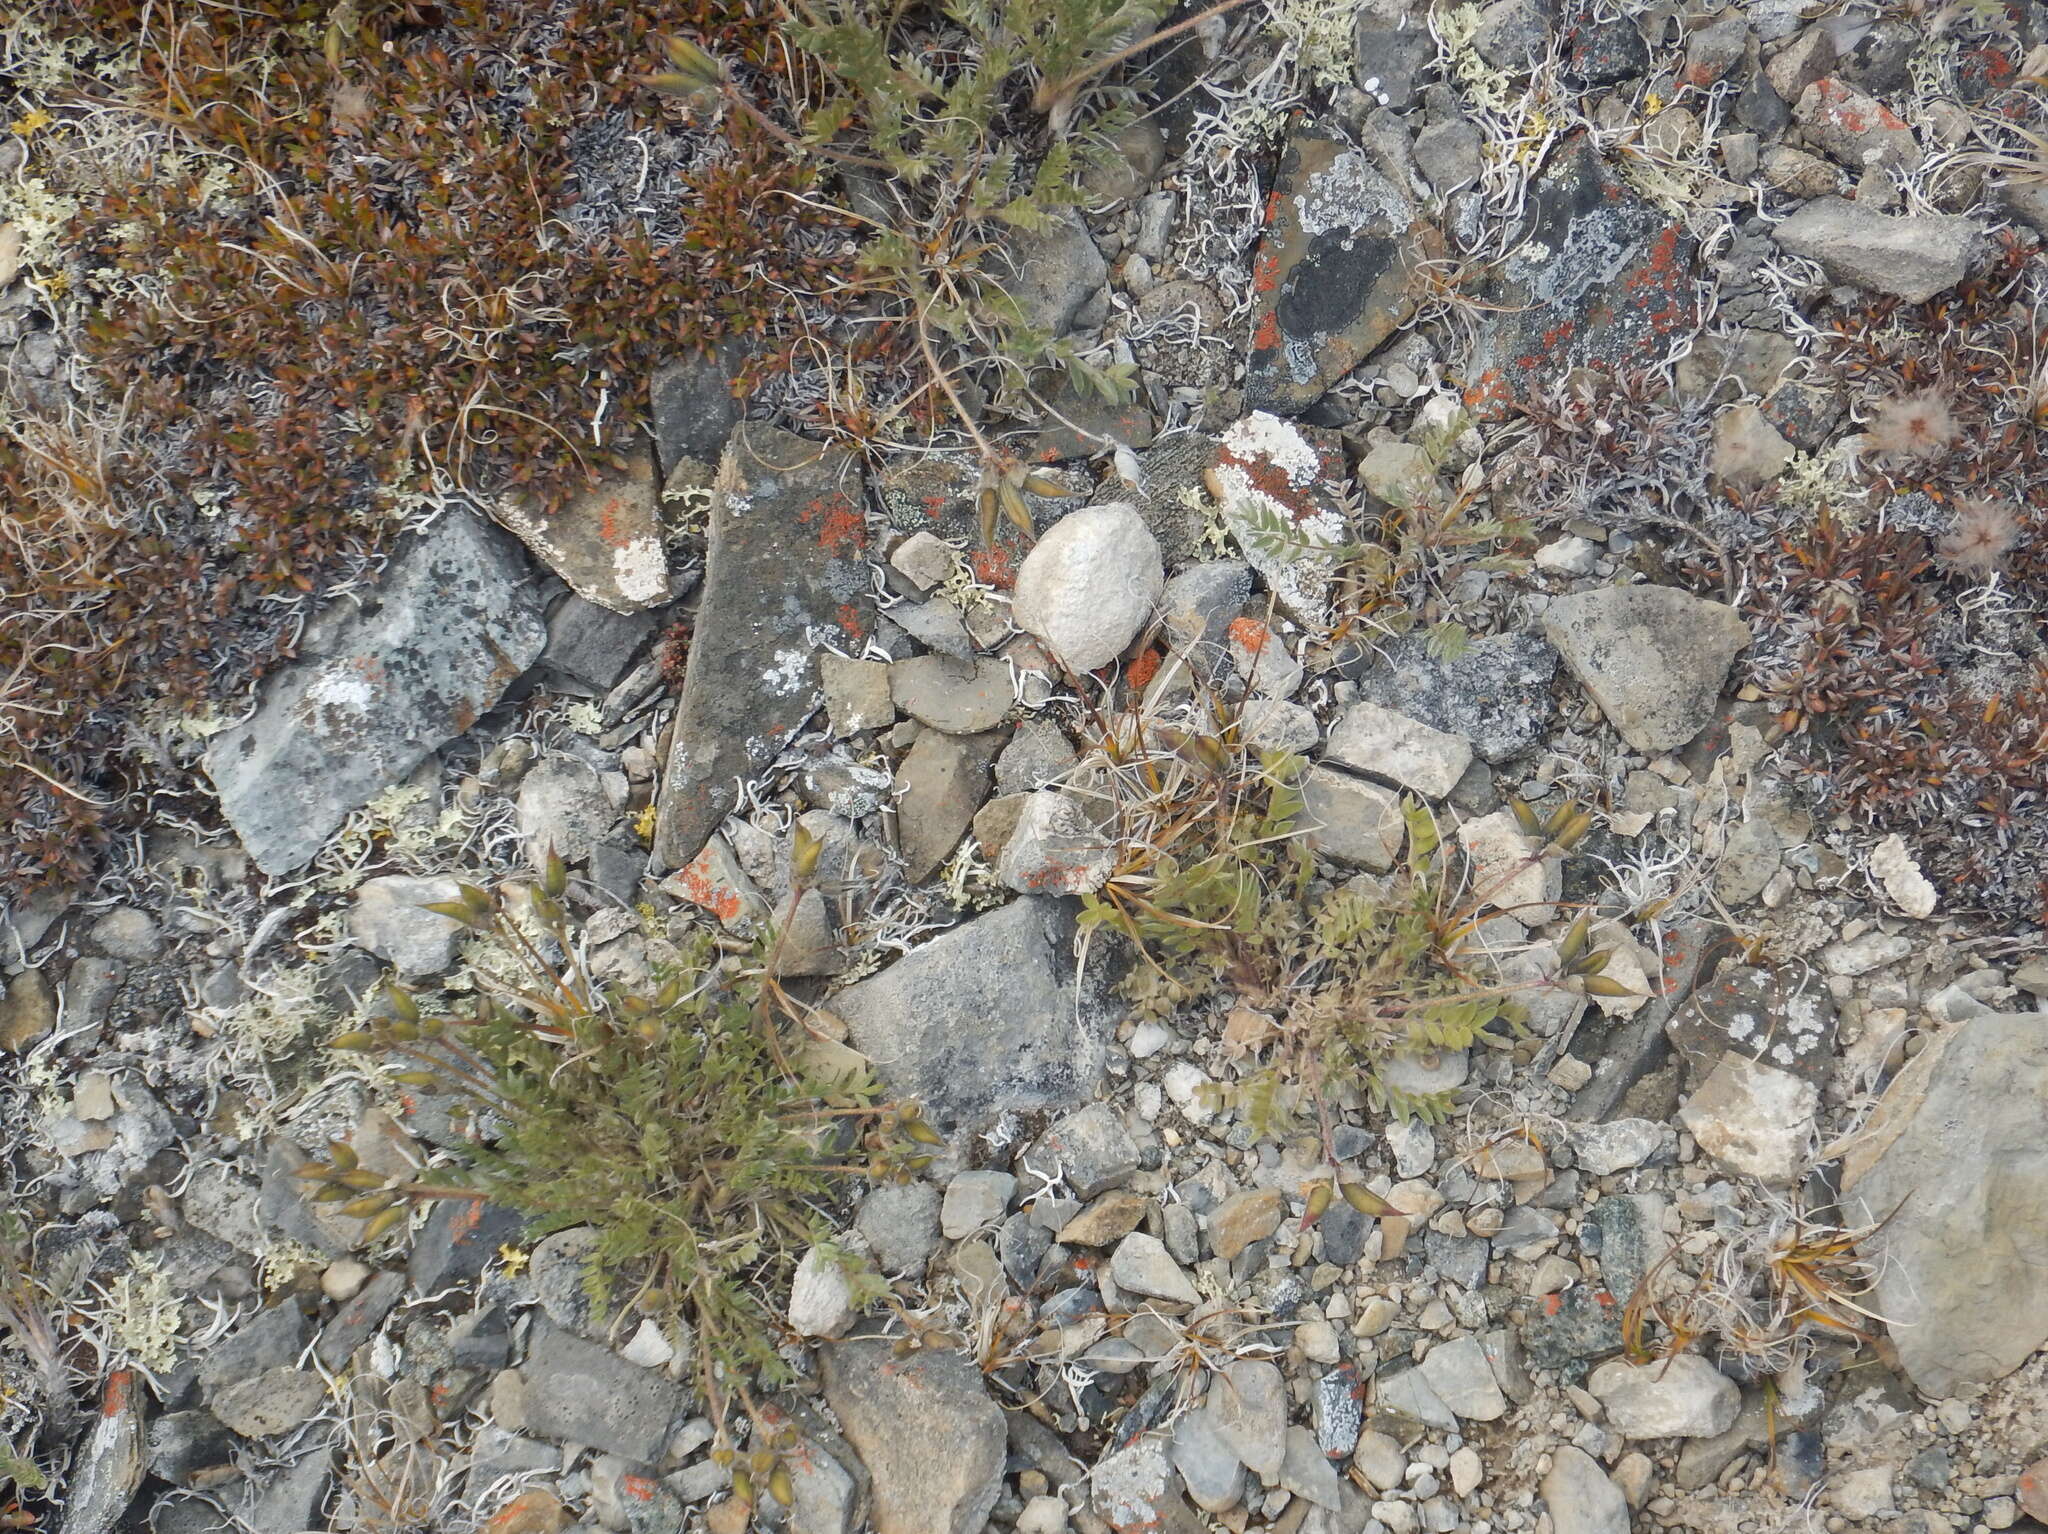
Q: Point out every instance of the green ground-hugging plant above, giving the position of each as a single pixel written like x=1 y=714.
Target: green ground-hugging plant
x=1217 y=890
x=953 y=130
x=683 y=1123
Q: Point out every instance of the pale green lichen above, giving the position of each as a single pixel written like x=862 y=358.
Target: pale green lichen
x=142 y=1314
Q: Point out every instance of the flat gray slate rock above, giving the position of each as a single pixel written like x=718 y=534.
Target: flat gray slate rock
x=985 y=1018
x=451 y=625
x=786 y=575
x=1653 y=657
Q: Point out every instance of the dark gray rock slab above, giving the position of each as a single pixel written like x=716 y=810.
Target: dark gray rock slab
x=924 y=1426
x=449 y=626
x=582 y=1393
x=1496 y=694
x=786 y=574
x=1783 y=1019
x=1337 y=273
x=1602 y=278
x=989 y=1017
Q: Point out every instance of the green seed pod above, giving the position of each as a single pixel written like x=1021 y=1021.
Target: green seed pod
x=341 y=1155
x=986 y=512
x=1573 y=831
x=554 y=874
x=1526 y=817
x=328 y=1193
x=1601 y=985
x=402 y=1002
x=1015 y=511
x=781 y=1487
x=695 y=69
x=1575 y=938
x=743 y=1487
x=355 y=1038
x=761 y=1461
x=369 y=1204
x=922 y=1132
x=1590 y=963
x=416 y=1078
x=805 y=848
x=1365 y=1201
x=384 y=1224
x=1319 y=1195
x=1039 y=484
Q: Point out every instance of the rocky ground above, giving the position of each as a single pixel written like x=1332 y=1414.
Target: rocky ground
x=1523 y=279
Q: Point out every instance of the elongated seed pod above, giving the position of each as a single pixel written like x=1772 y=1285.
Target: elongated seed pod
x=1365 y=1201
x=1575 y=938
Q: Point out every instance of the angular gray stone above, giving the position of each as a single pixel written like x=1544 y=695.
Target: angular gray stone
x=1653 y=657
x=1679 y=1397
x=1411 y=1394
x=1604 y=1149
x=1511 y=33
x=129 y=934
x=974 y=1200
x=605 y=541
x=924 y=1426
x=830 y=1483
x=693 y=407
x=941 y=783
x=562 y=805
x=1463 y=1380
x=1754 y=1120
x=590 y=648
x=901 y=1224
x=378 y=688
x=353 y=1323
x=271 y=1339
x=1054 y=273
x=388 y=921
x=581 y=1392
x=1625 y=1231
x=1580 y=1497
x=459 y=1238
x=959 y=697
x=1132 y=1488
x=1036 y=755
x=786 y=574
x=857 y=694
x=1406 y=752
x=1208 y=1466
x=1054 y=848
x=1351 y=821
x=1308 y=1473
x=1250 y=1403
x=1142 y=1265
x=1909 y=256
x=1495 y=694
x=1090 y=1149
x=988 y=1017
x=1956 y=1159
